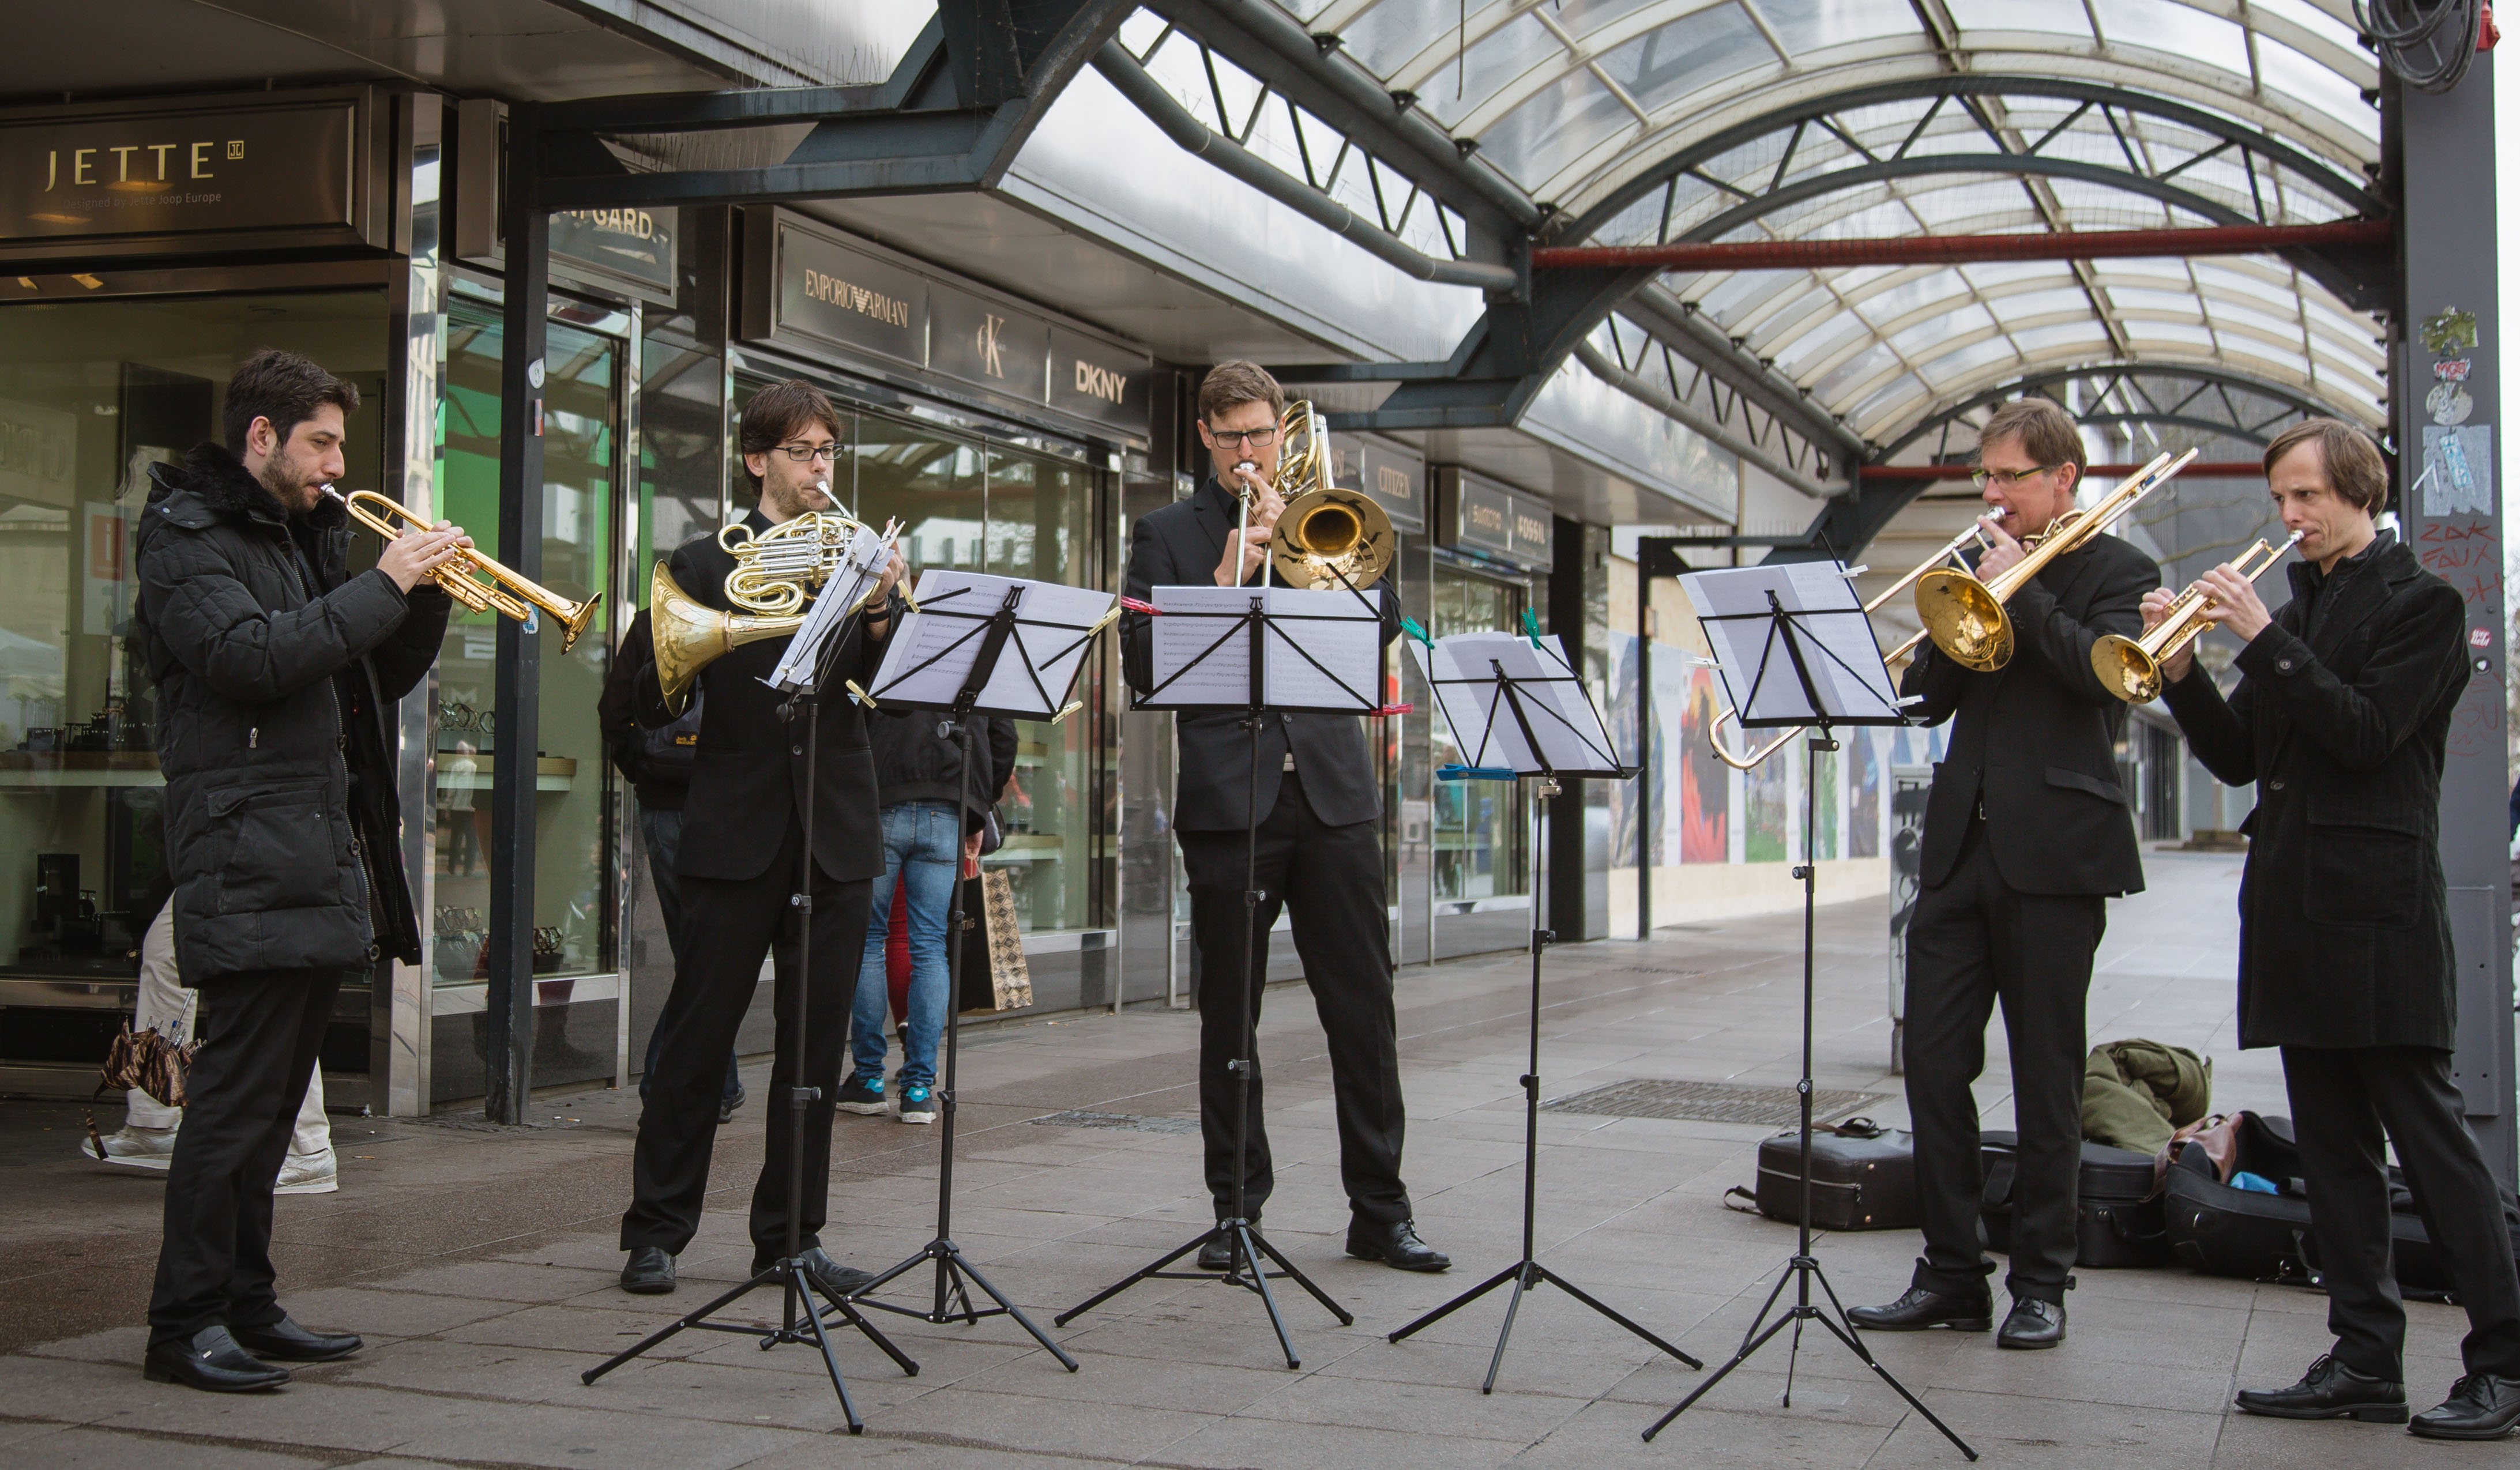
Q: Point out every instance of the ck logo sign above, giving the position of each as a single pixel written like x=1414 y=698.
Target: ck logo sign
x=985 y=343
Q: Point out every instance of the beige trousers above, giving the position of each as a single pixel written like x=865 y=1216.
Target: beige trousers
x=167 y=1006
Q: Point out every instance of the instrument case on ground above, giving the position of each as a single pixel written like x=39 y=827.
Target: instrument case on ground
x=1864 y=1178
x=2118 y=1221
x=2227 y=1231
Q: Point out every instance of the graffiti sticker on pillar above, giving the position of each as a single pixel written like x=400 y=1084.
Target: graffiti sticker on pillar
x=2457 y=477
x=2449 y=332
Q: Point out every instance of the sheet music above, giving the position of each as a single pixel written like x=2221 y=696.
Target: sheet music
x=932 y=653
x=1834 y=634
x=1325 y=654
x=860 y=568
x=1461 y=671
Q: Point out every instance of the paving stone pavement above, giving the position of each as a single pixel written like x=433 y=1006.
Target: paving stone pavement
x=480 y=1262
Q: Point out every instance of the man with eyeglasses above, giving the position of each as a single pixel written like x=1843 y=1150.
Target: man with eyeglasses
x=743 y=843
x=2027 y=831
x=1320 y=852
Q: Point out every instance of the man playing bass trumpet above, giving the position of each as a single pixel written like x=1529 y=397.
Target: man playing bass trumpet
x=2027 y=830
x=743 y=838
x=2341 y=719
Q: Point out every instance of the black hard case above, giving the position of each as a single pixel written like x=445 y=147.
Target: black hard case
x=1862 y=1177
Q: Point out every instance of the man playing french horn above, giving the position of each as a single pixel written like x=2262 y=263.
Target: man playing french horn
x=743 y=837
x=2027 y=830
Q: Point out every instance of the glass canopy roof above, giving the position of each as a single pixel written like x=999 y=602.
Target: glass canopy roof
x=1650 y=120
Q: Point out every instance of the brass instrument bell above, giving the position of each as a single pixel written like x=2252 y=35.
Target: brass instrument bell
x=689 y=634
x=2130 y=667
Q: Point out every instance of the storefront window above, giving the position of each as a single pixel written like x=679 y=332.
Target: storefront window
x=91 y=394
x=1482 y=842
x=574 y=866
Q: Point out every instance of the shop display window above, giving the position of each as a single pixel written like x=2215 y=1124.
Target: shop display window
x=1483 y=836
x=575 y=855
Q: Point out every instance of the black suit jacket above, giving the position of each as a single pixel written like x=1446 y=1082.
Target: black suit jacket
x=1179 y=546
x=749 y=773
x=2036 y=738
x=2344 y=917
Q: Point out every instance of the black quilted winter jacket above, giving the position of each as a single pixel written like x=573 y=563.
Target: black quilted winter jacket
x=277 y=675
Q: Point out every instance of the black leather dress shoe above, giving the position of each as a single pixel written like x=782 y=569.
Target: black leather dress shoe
x=212 y=1360
x=1922 y=1308
x=650 y=1273
x=2480 y=1407
x=1395 y=1245
x=1217 y=1254
x=834 y=1278
x=2032 y=1323
x=2331 y=1391
x=291 y=1343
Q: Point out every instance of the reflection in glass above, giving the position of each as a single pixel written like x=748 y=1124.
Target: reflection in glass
x=1480 y=839
x=574 y=856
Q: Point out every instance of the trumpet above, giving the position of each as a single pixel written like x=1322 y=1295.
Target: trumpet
x=2130 y=667
x=1948 y=550
x=503 y=591
x=1965 y=616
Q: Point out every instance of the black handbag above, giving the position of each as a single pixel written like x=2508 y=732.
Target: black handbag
x=1864 y=1178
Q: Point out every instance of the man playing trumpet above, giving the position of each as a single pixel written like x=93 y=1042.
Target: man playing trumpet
x=2341 y=718
x=2027 y=830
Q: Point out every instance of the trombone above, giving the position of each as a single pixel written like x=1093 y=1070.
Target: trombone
x=1964 y=615
x=1949 y=550
x=503 y=591
x=2130 y=667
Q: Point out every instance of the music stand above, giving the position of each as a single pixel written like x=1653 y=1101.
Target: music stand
x=1213 y=648
x=801 y=676
x=1803 y=623
x=948 y=656
x=1549 y=729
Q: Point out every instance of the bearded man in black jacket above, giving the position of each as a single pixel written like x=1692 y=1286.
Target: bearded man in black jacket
x=277 y=674
x=2341 y=719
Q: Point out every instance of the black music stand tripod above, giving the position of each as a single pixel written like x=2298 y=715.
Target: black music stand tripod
x=952 y=1266
x=1245 y=1268
x=798 y=1286
x=1527 y=1274
x=1803 y=1268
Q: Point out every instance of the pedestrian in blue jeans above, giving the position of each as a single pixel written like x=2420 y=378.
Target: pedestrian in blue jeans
x=919 y=777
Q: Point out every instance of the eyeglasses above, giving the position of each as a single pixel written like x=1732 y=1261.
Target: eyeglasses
x=2008 y=478
x=807 y=453
x=1258 y=438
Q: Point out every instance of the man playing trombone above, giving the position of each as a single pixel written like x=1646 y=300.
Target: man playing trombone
x=743 y=845
x=2341 y=719
x=2027 y=830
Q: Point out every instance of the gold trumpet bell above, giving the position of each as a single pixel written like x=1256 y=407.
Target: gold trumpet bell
x=2127 y=668
x=1964 y=619
x=689 y=634
x=1328 y=538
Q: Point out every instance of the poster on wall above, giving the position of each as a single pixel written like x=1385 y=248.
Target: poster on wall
x=1765 y=802
x=1864 y=795
x=1825 y=810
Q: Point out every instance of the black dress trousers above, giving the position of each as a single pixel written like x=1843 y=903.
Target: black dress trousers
x=2342 y=1099
x=260 y=1032
x=1974 y=941
x=1330 y=878
x=728 y=926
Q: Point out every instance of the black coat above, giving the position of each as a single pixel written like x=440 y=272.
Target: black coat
x=2344 y=916
x=661 y=785
x=274 y=731
x=1179 y=546
x=2036 y=739
x=914 y=762
x=748 y=774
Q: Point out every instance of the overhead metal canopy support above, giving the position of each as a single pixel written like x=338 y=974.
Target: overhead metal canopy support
x=2364 y=236
x=952 y=116
x=2208 y=400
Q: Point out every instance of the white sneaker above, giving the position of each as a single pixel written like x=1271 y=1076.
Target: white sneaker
x=308 y=1173
x=138 y=1147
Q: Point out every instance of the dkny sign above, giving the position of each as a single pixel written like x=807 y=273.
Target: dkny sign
x=105 y=177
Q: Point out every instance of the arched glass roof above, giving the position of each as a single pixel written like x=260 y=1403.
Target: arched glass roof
x=1641 y=122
